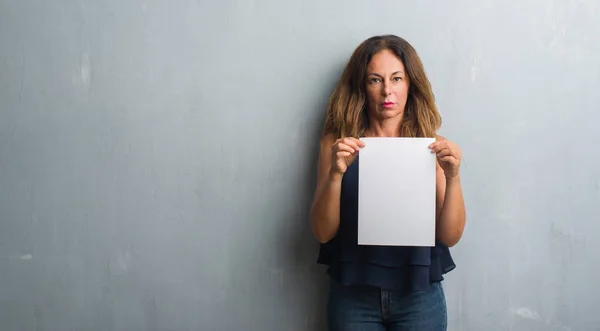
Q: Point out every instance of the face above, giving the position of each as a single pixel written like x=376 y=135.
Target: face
x=386 y=85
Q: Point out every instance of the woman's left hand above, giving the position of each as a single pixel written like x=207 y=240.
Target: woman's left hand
x=448 y=154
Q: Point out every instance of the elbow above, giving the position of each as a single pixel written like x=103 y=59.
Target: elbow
x=319 y=231
x=323 y=239
x=451 y=238
x=450 y=242
x=321 y=234
x=451 y=231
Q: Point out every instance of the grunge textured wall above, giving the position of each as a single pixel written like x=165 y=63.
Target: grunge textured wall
x=157 y=158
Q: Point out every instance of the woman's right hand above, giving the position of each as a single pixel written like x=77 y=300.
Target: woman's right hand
x=344 y=152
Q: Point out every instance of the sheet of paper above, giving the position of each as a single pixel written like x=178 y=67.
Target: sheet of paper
x=396 y=192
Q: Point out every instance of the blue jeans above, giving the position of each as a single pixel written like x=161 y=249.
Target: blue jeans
x=365 y=308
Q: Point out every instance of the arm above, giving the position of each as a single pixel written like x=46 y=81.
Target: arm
x=325 y=210
x=451 y=214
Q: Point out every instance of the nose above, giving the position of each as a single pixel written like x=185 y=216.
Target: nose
x=387 y=89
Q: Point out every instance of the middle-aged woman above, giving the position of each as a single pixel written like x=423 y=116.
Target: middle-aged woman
x=383 y=92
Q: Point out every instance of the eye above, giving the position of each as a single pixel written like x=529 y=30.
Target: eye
x=374 y=80
x=397 y=79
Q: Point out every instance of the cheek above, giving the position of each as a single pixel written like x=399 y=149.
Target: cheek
x=401 y=92
x=373 y=96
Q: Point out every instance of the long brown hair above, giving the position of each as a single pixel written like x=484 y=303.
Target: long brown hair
x=346 y=112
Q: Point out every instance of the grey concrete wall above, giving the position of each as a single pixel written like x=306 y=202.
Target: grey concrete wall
x=157 y=159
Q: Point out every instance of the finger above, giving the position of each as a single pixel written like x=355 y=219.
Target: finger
x=346 y=148
x=438 y=148
x=343 y=154
x=445 y=152
x=353 y=142
x=450 y=159
x=437 y=144
x=433 y=144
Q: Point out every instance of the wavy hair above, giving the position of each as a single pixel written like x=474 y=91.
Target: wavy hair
x=346 y=114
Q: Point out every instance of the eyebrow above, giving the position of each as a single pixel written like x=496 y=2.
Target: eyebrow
x=395 y=73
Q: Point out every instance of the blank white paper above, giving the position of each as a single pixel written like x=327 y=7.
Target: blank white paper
x=396 y=192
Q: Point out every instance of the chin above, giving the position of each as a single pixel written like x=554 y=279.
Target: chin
x=390 y=113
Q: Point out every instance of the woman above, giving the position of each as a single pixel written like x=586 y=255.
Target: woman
x=383 y=92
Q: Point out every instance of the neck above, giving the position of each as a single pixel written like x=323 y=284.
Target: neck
x=384 y=128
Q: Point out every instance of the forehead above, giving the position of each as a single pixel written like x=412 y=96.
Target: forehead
x=385 y=61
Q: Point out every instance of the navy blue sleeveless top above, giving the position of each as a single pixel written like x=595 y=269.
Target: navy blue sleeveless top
x=391 y=267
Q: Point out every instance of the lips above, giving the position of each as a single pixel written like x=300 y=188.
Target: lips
x=388 y=104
